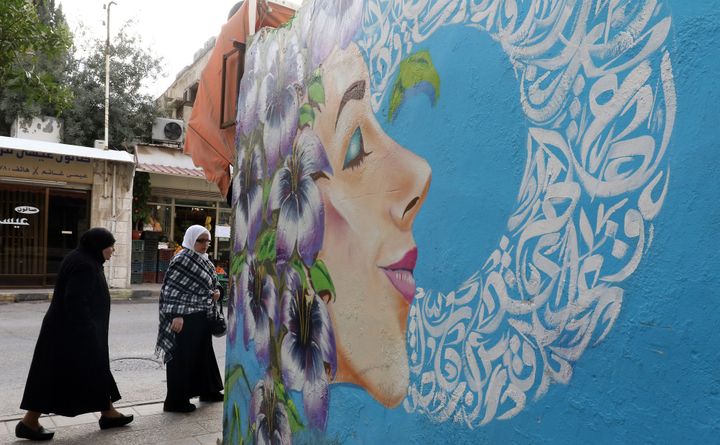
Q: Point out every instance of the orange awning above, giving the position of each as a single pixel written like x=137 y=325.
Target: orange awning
x=212 y=147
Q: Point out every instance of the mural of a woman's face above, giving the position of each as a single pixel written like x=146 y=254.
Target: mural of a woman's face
x=325 y=206
x=371 y=199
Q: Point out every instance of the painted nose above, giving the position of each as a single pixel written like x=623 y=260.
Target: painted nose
x=414 y=181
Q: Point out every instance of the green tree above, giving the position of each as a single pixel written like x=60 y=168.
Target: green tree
x=131 y=110
x=34 y=50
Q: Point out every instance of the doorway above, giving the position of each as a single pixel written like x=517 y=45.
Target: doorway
x=69 y=210
x=38 y=227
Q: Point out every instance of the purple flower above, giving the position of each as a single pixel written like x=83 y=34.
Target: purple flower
x=248 y=198
x=301 y=222
x=278 y=99
x=269 y=415
x=259 y=300
x=307 y=348
x=328 y=23
x=247 y=111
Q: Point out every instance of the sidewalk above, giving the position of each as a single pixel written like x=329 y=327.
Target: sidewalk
x=135 y=292
x=151 y=426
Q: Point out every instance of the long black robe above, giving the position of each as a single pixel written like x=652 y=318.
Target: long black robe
x=193 y=370
x=70 y=371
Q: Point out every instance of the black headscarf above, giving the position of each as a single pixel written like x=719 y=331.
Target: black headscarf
x=94 y=241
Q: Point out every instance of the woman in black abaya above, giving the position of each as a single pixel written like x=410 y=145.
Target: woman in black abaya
x=70 y=370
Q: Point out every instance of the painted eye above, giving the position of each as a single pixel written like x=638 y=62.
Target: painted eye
x=355 y=152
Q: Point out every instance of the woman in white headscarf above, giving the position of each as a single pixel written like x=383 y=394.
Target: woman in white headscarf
x=184 y=337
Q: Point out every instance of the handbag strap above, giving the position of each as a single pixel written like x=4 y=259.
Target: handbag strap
x=214 y=304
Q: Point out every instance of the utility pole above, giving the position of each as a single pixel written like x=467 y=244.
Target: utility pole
x=107 y=74
x=113 y=221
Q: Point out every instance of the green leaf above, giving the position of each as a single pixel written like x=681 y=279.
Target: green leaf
x=233 y=376
x=267 y=184
x=293 y=414
x=297 y=264
x=416 y=70
x=321 y=280
x=236 y=424
x=316 y=91
x=307 y=115
x=294 y=417
x=266 y=246
x=237 y=263
x=396 y=99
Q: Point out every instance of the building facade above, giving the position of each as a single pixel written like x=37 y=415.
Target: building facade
x=51 y=193
x=180 y=196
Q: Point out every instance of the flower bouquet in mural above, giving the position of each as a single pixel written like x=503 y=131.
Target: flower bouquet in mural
x=280 y=288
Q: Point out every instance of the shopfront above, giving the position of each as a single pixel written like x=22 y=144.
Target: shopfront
x=175 y=214
x=180 y=197
x=32 y=244
x=49 y=195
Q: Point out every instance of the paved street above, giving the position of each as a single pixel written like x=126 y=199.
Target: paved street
x=133 y=329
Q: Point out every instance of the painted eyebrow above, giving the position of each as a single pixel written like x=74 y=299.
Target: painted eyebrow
x=356 y=91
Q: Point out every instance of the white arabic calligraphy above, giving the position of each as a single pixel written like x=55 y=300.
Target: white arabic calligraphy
x=15 y=222
x=597 y=88
x=28 y=210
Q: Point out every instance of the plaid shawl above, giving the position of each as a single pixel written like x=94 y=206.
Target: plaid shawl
x=188 y=286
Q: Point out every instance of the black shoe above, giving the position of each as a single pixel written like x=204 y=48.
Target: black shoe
x=114 y=422
x=186 y=407
x=23 y=431
x=214 y=397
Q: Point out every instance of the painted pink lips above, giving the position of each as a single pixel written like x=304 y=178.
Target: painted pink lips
x=400 y=274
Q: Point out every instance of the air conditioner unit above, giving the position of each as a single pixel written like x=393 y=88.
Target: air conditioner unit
x=168 y=130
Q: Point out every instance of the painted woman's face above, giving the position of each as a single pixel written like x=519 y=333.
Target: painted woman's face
x=370 y=200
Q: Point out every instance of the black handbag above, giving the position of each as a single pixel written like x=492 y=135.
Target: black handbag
x=216 y=317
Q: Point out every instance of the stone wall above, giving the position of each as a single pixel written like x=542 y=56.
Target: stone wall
x=117 y=270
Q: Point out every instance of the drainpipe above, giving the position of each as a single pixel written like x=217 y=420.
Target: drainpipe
x=114 y=205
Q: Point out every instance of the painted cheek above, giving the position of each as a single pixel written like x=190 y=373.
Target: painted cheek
x=337 y=227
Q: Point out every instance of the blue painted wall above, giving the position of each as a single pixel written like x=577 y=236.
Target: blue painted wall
x=655 y=377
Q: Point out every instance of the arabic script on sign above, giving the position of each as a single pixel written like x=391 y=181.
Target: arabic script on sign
x=15 y=222
x=27 y=210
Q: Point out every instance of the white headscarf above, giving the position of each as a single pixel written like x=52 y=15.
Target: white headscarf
x=192 y=234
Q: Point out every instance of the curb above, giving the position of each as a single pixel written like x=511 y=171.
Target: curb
x=7 y=298
x=25 y=297
x=115 y=295
x=133 y=294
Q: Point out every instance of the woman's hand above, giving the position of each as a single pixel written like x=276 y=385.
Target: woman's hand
x=216 y=295
x=177 y=324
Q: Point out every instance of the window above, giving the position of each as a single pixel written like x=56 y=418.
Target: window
x=232 y=70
